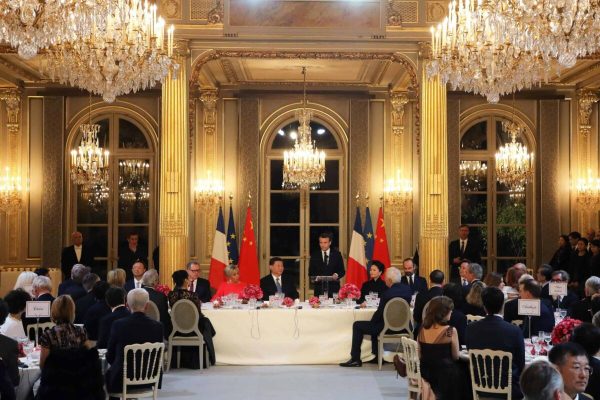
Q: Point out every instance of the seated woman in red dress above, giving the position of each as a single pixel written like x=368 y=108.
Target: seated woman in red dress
x=233 y=284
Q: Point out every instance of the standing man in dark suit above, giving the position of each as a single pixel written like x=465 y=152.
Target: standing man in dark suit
x=276 y=282
x=150 y=280
x=437 y=280
x=198 y=285
x=130 y=254
x=137 y=328
x=327 y=262
x=375 y=325
x=494 y=333
x=77 y=253
x=417 y=283
x=115 y=298
x=463 y=247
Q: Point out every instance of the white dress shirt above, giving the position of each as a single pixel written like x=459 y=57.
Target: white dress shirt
x=137 y=284
x=77 y=252
x=13 y=328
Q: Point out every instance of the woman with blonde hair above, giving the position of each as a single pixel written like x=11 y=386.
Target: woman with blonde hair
x=25 y=281
x=474 y=304
x=116 y=277
x=232 y=285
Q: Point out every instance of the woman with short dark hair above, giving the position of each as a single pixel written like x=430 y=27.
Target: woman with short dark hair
x=375 y=283
x=13 y=326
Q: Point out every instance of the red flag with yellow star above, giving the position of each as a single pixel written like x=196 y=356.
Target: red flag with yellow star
x=380 y=250
x=248 y=264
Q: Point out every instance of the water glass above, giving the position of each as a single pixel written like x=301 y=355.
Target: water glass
x=336 y=295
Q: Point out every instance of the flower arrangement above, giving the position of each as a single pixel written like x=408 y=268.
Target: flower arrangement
x=314 y=302
x=349 y=291
x=164 y=289
x=288 y=302
x=252 y=292
x=563 y=330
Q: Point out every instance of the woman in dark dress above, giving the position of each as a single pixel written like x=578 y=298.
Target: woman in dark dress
x=579 y=267
x=439 y=351
x=189 y=356
x=375 y=283
x=560 y=259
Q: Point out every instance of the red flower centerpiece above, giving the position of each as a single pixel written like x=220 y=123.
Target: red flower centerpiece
x=288 y=302
x=164 y=289
x=563 y=330
x=349 y=292
x=252 y=292
x=314 y=302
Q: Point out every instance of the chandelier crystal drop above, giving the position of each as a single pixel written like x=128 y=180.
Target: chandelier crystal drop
x=31 y=25
x=473 y=175
x=398 y=193
x=126 y=53
x=514 y=164
x=11 y=189
x=588 y=192
x=304 y=164
x=208 y=191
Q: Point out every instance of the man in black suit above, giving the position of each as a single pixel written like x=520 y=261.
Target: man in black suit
x=437 y=280
x=588 y=336
x=115 y=298
x=544 y=276
x=92 y=317
x=327 y=262
x=198 y=285
x=83 y=304
x=572 y=362
x=463 y=247
x=77 y=253
x=134 y=329
x=494 y=333
x=540 y=380
x=563 y=302
x=73 y=286
x=530 y=290
x=138 y=269
x=582 y=310
x=40 y=288
x=472 y=272
x=276 y=282
x=374 y=327
x=417 y=283
x=130 y=254
x=150 y=280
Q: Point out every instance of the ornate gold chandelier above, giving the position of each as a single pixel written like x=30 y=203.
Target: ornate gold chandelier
x=398 y=194
x=514 y=164
x=10 y=192
x=127 y=52
x=304 y=165
x=89 y=162
x=30 y=25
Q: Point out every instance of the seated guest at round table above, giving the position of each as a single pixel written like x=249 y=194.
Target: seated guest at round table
x=189 y=359
x=494 y=279
x=276 y=282
x=9 y=353
x=232 y=285
x=588 y=336
x=375 y=283
x=473 y=304
x=25 y=281
x=116 y=277
x=13 y=326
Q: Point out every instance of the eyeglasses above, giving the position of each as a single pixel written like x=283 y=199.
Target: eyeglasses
x=195 y=270
x=588 y=370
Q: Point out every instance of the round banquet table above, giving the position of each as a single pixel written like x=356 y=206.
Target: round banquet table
x=286 y=336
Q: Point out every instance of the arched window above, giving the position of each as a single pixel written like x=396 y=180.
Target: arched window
x=497 y=216
x=106 y=215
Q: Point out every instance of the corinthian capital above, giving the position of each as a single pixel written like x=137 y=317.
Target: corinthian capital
x=12 y=99
x=398 y=100
x=209 y=99
x=586 y=100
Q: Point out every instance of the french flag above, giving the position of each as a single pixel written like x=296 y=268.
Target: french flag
x=218 y=259
x=357 y=260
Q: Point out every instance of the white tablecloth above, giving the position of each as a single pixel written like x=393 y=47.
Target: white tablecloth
x=28 y=377
x=286 y=336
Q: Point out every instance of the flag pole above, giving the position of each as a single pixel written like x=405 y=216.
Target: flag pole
x=357 y=199
x=249 y=198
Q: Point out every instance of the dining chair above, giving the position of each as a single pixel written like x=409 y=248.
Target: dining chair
x=473 y=318
x=410 y=354
x=38 y=328
x=491 y=373
x=185 y=316
x=144 y=369
x=396 y=317
x=152 y=311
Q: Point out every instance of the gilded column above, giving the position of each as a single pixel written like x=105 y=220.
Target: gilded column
x=174 y=178
x=433 y=241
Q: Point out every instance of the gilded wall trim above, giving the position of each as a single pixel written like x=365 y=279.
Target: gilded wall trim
x=359 y=147
x=249 y=153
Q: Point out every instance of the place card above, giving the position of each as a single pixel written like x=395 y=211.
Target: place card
x=529 y=307
x=557 y=288
x=37 y=309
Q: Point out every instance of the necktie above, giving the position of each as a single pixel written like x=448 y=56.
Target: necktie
x=191 y=289
x=325 y=258
x=462 y=246
x=464 y=282
x=278 y=284
x=410 y=281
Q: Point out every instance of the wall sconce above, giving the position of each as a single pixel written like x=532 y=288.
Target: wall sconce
x=208 y=191
x=11 y=191
x=587 y=192
x=398 y=194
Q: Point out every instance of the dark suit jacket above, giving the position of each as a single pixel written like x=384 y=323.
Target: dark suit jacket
x=267 y=284
x=68 y=258
x=422 y=299
x=106 y=322
x=459 y=321
x=396 y=290
x=9 y=352
x=72 y=288
x=593 y=387
x=495 y=334
x=202 y=289
x=129 y=285
x=545 y=322
x=82 y=305
x=582 y=310
x=472 y=253
x=369 y=286
x=316 y=267
x=137 y=328
x=162 y=303
x=419 y=283
x=91 y=320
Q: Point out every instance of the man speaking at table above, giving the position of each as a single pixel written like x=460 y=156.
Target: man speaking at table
x=327 y=262
x=276 y=282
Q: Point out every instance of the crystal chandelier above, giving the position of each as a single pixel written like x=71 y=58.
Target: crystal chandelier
x=208 y=191
x=128 y=52
x=587 y=193
x=31 y=25
x=514 y=164
x=304 y=165
x=398 y=194
x=89 y=162
x=10 y=192
x=134 y=177
x=473 y=174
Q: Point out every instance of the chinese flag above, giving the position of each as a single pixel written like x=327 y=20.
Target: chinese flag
x=248 y=263
x=380 y=250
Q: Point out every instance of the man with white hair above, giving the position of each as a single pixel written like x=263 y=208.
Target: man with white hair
x=582 y=310
x=42 y=288
x=137 y=328
x=541 y=381
x=393 y=276
x=74 y=286
x=149 y=280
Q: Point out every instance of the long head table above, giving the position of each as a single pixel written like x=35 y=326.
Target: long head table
x=285 y=336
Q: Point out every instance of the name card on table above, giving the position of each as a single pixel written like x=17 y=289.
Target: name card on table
x=37 y=309
x=557 y=288
x=529 y=307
